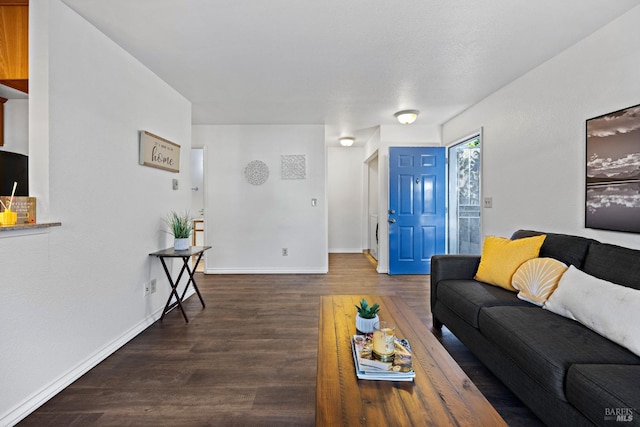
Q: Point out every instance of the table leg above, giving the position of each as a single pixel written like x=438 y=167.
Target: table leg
x=191 y=278
x=174 y=286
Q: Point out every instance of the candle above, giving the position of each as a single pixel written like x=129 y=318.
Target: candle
x=383 y=340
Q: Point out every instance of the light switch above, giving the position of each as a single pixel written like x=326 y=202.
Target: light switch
x=175 y=184
x=314 y=202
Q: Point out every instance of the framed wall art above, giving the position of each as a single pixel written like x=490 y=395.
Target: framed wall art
x=613 y=171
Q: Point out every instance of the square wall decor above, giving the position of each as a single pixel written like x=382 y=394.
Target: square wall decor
x=293 y=166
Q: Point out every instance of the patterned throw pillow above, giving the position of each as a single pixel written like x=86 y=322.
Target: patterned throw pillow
x=537 y=278
x=501 y=258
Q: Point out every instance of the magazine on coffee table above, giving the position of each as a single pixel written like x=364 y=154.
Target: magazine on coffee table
x=368 y=368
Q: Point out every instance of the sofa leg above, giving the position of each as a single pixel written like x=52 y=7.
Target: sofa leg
x=437 y=324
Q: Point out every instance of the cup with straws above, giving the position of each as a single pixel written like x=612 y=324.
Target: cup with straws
x=8 y=217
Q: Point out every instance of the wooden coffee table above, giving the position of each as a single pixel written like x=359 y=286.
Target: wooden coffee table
x=441 y=393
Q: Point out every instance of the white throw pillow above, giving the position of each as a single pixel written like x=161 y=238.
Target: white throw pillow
x=611 y=310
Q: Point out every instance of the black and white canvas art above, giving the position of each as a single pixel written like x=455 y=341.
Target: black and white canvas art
x=613 y=171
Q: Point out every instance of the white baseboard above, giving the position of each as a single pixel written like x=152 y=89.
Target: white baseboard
x=22 y=410
x=345 y=251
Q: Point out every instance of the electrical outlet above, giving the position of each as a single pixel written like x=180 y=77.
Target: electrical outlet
x=153 y=286
x=145 y=289
x=285 y=252
x=488 y=202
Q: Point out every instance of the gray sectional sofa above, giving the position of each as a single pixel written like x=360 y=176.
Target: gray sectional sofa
x=564 y=372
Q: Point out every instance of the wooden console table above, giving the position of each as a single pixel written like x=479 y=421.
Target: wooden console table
x=441 y=393
x=185 y=255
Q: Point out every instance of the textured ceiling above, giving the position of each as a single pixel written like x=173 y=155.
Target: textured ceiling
x=347 y=64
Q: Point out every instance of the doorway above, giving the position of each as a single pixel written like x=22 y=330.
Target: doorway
x=465 y=226
x=417 y=208
x=372 y=207
x=197 y=201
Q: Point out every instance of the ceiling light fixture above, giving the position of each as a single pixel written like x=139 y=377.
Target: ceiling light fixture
x=406 y=117
x=346 y=141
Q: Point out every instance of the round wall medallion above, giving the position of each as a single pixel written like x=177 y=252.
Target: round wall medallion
x=256 y=172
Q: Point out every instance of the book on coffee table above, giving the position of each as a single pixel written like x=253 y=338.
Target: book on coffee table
x=368 y=368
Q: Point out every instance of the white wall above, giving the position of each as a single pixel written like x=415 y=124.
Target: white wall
x=248 y=225
x=16 y=126
x=74 y=294
x=345 y=194
x=534 y=133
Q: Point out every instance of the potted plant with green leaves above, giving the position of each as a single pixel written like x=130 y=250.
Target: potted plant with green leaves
x=180 y=225
x=367 y=317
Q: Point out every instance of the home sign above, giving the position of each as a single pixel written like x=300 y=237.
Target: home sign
x=158 y=152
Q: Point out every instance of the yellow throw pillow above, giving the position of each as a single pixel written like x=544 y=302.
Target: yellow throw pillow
x=537 y=278
x=501 y=258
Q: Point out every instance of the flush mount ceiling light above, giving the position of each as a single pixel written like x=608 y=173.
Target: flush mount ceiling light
x=346 y=141
x=406 y=117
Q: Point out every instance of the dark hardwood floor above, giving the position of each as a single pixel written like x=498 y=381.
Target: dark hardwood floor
x=248 y=359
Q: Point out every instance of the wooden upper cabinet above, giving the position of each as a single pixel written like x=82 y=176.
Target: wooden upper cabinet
x=14 y=44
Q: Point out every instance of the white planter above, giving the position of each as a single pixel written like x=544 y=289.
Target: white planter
x=181 y=244
x=366 y=326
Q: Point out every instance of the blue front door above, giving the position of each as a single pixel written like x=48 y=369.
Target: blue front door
x=417 y=210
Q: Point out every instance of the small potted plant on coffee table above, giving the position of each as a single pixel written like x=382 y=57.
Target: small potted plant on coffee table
x=367 y=317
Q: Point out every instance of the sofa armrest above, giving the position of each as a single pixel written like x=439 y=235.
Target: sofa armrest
x=445 y=267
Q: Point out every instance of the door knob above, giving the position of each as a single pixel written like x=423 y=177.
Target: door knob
x=392 y=220
x=391 y=211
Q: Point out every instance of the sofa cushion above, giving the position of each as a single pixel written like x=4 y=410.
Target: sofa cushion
x=467 y=297
x=604 y=392
x=501 y=258
x=571 y=250
x=614 y=264
x=543 y=345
